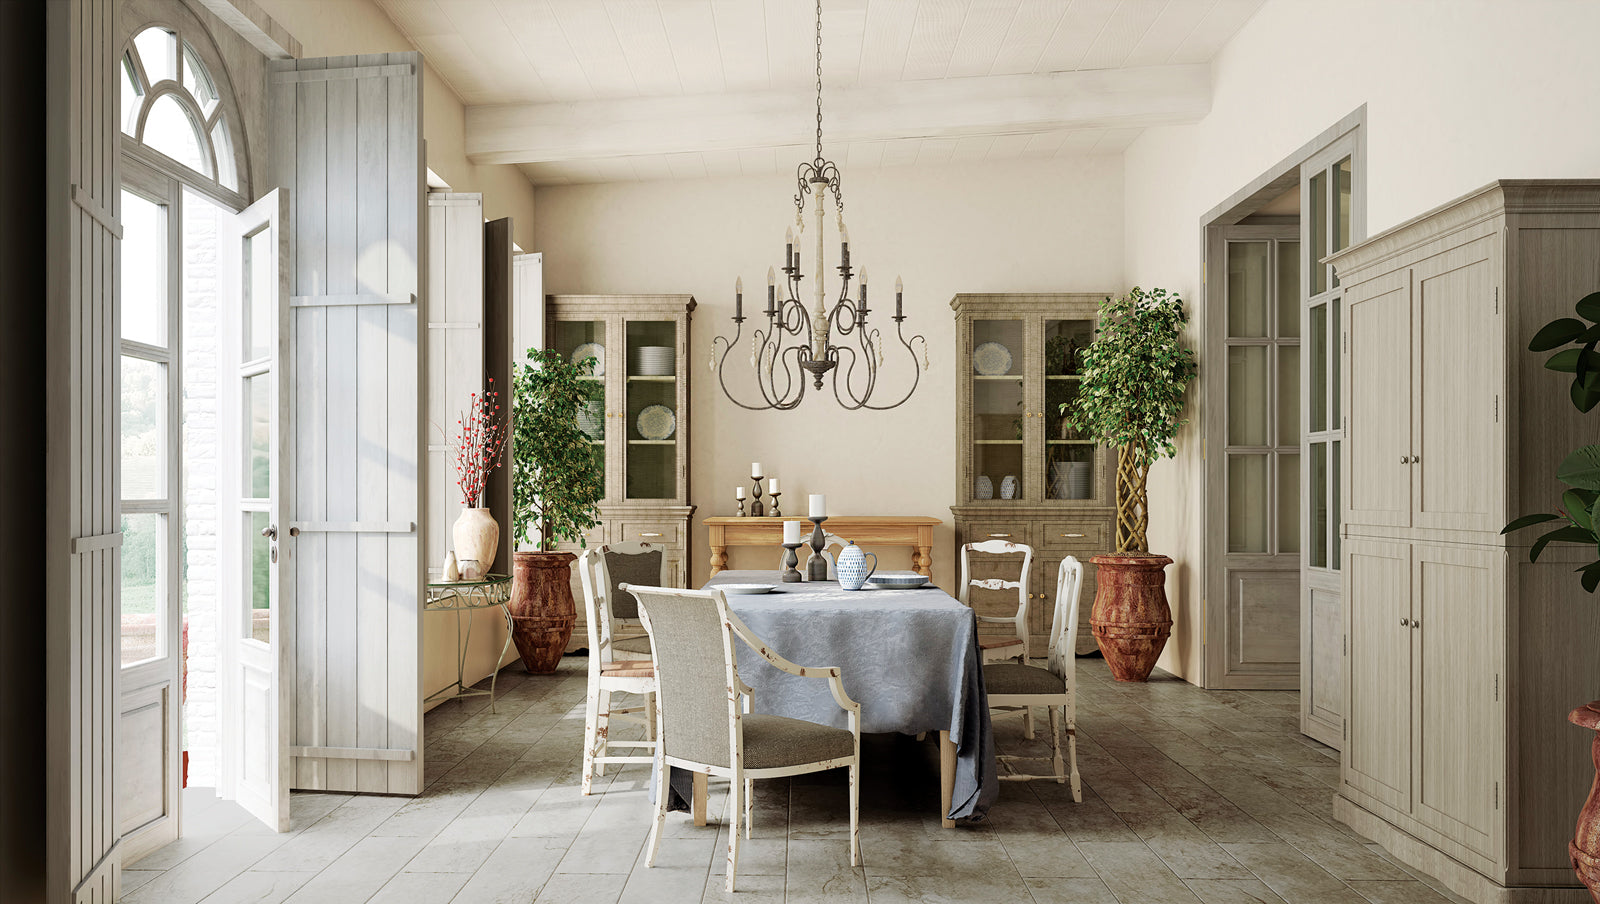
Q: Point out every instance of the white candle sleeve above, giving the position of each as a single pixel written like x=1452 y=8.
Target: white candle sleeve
x=819 y=505
x=738 y=492
x=791 y=532
x=772 y=485
x=755 y=469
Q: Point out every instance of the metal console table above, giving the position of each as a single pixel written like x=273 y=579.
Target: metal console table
x=466 y=596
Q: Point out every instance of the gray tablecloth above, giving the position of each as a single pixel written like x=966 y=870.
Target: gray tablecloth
x=909 y=657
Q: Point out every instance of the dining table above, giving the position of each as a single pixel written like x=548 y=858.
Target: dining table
x=909 y=656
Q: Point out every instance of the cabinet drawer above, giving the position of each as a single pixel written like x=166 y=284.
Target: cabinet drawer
x=1012 y=531
x=660 y=533
x=1090 y=536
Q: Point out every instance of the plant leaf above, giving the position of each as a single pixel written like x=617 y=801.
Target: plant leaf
x=1528 y=521
x=1562 y=535
x=1591 y=576
x=1556 y=333
x=1581 y=468
x=1577 y=510
x=1588 y=307
x=1569 y=360
x=1583 y=398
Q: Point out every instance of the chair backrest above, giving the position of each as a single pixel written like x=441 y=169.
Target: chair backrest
x=596 y=582
x=829 y=541
x=631 y=563
x=696 y=672
x=1064 y=625
x=995 y=548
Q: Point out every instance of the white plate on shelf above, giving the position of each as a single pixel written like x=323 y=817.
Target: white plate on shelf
x=591 y=350
x=657 y=422
x=991 y=359
x=745 y=589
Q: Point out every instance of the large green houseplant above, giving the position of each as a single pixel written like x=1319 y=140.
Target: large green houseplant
x=1131 y=398
x=557 y=482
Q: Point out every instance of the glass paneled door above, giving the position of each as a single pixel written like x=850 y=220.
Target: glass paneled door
x=651 y=456
x=1001 y=423
x=255 y=538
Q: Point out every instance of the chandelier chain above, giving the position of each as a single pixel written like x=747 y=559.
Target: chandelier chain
x=819 y=79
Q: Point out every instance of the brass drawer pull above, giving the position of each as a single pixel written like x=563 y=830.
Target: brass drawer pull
x=1000 y=536
x=651 y=533
x=1072 y=535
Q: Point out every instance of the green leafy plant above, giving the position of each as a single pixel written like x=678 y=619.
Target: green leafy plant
x=1580 y=470
x=1131 y=395
x=557 y=478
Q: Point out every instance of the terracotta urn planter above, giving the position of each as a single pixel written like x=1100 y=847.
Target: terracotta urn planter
x=1131 y=619
x=1584 y=848
x=542 y=612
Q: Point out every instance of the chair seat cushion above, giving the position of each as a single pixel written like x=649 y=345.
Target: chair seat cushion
x=640 y=645
x=998 y=643
x=772 y=741
x=628 y=668
x=1016 y=678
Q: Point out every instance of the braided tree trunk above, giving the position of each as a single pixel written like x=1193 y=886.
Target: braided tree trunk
x=1133 y=505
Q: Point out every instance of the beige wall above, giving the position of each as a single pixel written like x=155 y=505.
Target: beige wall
x=1457 y=94
x=1025 y=226
x=340 y=27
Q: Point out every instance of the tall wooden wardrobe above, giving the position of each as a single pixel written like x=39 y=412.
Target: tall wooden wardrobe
x=1462 y=659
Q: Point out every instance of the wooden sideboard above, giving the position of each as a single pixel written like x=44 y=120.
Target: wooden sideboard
x=914 y=531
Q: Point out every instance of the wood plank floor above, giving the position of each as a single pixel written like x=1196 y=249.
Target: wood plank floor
x=1189 y=796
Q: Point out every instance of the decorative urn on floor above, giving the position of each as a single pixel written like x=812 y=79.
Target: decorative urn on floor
x=556 y=486
x=1130 y=398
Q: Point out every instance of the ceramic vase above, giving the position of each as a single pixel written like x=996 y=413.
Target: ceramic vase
x=542 y=610
x=851 y=568
x=477 y=537
x=1008 y=487
x=983 y=488
x=1131 y=620
x=1584 y=849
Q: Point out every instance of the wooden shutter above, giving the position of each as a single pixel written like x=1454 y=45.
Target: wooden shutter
x=348 y=147
x=455 y=356
x=82 y=571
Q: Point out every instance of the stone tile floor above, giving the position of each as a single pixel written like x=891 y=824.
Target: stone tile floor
x=1189 y=796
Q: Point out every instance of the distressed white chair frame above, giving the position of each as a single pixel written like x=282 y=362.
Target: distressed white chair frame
x=1061 y=660
x=609 y=675
x=739 y=778
x=804 y=553
x=998 y=649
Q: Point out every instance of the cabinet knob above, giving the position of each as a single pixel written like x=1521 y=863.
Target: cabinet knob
x=1415 y=623
x=1405 y=622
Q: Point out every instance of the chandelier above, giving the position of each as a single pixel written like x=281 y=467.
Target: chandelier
x=796 y=343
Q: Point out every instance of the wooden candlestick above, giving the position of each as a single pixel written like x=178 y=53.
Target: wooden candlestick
x=817 y=568
x=756 y=508
x=776 y=512
x=791 y=575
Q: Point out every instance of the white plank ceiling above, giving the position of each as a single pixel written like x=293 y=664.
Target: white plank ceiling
x=569 y=58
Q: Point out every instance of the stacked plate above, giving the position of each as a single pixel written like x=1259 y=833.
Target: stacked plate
x=897 y=580
x=654 y=360
x=1071 y=479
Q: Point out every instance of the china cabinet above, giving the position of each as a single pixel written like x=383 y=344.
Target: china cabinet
x=1025 y=474
x=1461 y=657
x=636 y=417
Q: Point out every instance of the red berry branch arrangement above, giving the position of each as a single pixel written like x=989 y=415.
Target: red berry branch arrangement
x=480 y=444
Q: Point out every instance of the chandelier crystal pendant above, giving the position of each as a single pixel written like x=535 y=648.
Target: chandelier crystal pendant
x=797 y=343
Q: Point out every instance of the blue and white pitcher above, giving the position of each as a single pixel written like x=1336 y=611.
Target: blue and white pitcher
x=852 y=566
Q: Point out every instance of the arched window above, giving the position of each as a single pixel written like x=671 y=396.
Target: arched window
x=171 y=104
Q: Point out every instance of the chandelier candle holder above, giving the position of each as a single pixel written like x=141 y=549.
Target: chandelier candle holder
x=797 y=343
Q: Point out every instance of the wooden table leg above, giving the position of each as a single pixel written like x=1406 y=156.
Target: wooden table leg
x=719 y=559
x=699 y=802
x=922 y=562
x=947 y=778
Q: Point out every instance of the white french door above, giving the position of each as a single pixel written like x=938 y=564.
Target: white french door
x=257 y=598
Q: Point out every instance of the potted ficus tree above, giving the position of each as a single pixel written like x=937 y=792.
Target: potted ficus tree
x=557 y=482
x=1130 y=398
x=1574 y=342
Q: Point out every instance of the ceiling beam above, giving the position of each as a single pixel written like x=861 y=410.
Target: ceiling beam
x=929 y=108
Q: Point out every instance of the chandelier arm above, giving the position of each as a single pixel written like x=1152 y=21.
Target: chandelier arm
x=728 y=347
x=916 y=369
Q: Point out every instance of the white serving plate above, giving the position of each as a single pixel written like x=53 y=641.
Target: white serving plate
x=991 y=359
x=591 y=350
x=902 y=580
x=746 y=589
x=657 y=422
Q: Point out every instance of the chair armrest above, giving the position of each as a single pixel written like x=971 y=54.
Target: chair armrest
x=835 y=682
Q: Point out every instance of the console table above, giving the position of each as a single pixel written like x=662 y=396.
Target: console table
x=914 y=531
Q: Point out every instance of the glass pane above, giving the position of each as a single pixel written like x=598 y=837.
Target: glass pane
x=1341 y=208
x=577 y=340
x=998 y=471
x=997 y=410
x=1064 y=342
x=1288 y=288
x=198 y=80
x=1319 y=233
x=1247 y=503
x=144 y=270
x=1288 y=503
x=227 y=170
x=652 y=394
x=998 y=423
x=144 y=581
x=258 y=444
x=260 y=295
x=1318 y=368
x=132 y=95
x=997 y=347
x=1336 y=504
x=1289 y=395
x=170 y=130
x=1334 y=337
x=158 y=51
x=1072 y=471
x=1247 y=395
x=144 y=429
x=258 y=591
x=1247 y=289
x=1319 y=505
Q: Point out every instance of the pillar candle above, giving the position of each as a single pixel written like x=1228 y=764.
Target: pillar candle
x=738 y=492
x=772 y=485
x=819 y=505
x=755 y=469
x=791 y=531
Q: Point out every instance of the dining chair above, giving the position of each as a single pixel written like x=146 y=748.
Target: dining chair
x=829 y=541
x=1020 y=685
x=996 y=649
x=701 y=722
x=609 y=673
x=631 y=562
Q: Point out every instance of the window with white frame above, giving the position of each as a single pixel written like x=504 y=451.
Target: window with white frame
x=171 y=104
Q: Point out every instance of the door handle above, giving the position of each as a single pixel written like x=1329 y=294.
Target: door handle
x=1000 y=536
x=270 y=532
x=649 y=533
x=1072 y=535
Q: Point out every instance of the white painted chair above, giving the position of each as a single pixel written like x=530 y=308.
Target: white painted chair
x=804 y=553
x=610 y=673
x=703 y=728
x=997 y=649
x=1018 y=685
x=631 y=563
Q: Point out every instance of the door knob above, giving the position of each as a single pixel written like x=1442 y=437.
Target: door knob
x=1405 y=622
x=270 y=532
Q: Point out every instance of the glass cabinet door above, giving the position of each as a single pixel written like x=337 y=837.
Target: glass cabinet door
x=1072 y=462
x=576 y=340
x=650 y=410
x=1000 y=417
